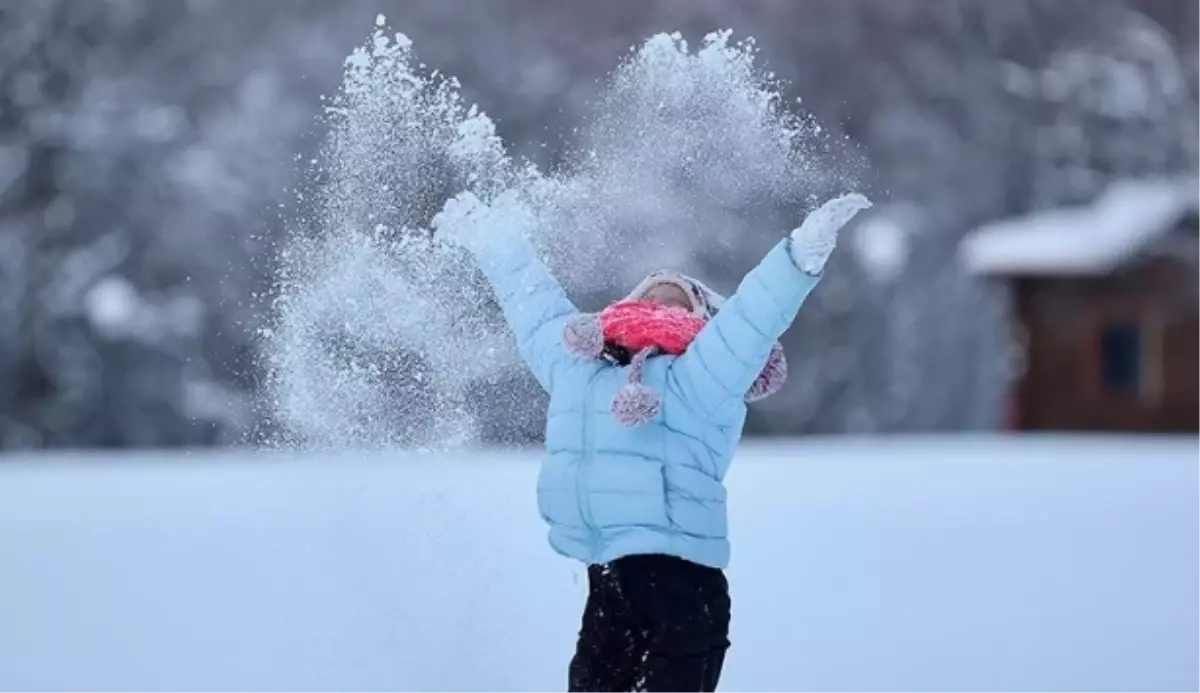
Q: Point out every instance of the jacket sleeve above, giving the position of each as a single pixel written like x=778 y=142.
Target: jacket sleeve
x=534 y=305
x=726 y=357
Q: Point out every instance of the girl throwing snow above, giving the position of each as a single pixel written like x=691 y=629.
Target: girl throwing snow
x=647 y=403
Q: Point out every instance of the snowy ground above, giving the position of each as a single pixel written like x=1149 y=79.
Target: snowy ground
x=908 y=564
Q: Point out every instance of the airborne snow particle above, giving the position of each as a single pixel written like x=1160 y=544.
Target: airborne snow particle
x=382 y=334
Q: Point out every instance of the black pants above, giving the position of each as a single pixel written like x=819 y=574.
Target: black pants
x=652 y=623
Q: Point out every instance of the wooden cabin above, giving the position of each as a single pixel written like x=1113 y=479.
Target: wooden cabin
x=1105 y=309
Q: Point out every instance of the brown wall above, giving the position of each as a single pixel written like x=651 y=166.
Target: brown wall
x=1063 y=387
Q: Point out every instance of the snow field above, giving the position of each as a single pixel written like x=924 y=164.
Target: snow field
x=906 y=564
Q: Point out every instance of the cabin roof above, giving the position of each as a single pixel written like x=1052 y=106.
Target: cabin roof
x=1090 y=239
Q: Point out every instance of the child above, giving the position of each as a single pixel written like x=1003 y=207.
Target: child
x=647 y=404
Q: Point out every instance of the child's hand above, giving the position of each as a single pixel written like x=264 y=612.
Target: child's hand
x=469 y=222
x=460 y=221
x=815 y=239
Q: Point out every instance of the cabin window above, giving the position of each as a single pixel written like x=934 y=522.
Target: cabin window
x=1121 y=358
x=1129 y=359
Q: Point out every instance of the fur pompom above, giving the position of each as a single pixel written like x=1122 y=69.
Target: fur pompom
x=772 y=376
x=583 y=336
x=636 y=405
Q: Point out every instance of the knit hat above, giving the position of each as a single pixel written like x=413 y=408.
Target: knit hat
x=644 y=329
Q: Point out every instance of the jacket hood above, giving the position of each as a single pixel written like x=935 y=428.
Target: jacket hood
x=705 y=302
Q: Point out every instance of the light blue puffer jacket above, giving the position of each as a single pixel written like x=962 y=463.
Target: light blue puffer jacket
x=607 y=490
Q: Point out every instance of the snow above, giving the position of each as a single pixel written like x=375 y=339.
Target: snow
x=1082 y=240
x=881 y=245
x=117 y=311
x=111 y=305
x=1129 y=75
x=635 y=192
x=888 y=564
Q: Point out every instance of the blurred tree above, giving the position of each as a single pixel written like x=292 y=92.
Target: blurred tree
x=1116 y=103
x=143 y=144
x=140 y=144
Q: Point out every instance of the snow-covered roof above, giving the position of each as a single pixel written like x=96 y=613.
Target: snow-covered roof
x=1090 y=239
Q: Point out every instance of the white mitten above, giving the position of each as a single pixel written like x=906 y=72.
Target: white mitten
x=469 y=222
x=461 y=220
x=815 y=239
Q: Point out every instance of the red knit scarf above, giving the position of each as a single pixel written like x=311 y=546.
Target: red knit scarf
x=637 y=325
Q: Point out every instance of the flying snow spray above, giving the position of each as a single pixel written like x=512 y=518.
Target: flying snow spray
x=384 y=338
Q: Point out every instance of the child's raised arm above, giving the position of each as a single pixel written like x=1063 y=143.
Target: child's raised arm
x=729 y=353
x=534 y=304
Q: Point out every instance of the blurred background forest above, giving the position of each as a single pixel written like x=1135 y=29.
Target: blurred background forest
x=148 y=150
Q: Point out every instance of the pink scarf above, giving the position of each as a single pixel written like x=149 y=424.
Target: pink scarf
x=638 y=325
x=645 y=329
